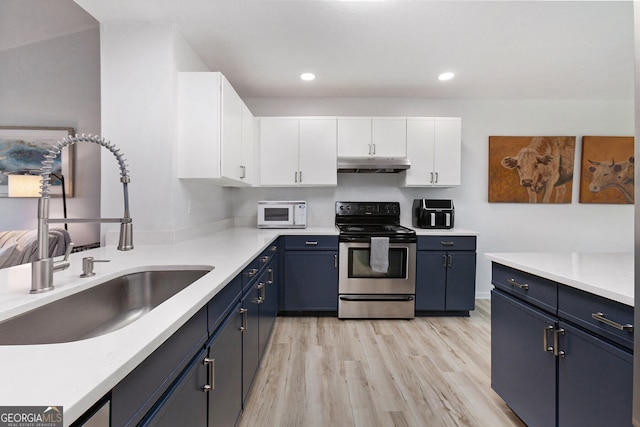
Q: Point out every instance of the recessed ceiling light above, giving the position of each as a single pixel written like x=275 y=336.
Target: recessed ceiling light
x=307 y=76
x=446 y=76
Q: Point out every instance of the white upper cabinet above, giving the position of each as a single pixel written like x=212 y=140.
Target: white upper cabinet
x=298 y=152
x=372 y=137
x=215 y=130
x=434 y=150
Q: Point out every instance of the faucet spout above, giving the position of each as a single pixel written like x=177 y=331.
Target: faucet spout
x=43 y=268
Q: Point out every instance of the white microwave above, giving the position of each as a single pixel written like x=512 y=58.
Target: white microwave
x=282 y=214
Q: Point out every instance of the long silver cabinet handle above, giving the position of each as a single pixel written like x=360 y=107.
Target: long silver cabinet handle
x=600 y=317
x=545 y=340
x=447 y=243
x=523 y=286
x=556 y=343
x=449 y=261
x=261 y=287
x=444 y=261
x=271 y=279
x=311 y=243
x=212 y=376
x=335 y=261
x=244 y=311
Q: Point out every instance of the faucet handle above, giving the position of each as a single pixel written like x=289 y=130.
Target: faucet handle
x=64 y=263
x=87 y=266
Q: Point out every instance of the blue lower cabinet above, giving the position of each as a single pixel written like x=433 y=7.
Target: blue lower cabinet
x=549 y=368
x=522 y=372
x=268 y=306
x=250 y=337
x=595 y=381
x=209 y=392
x=446 y=274
x=186 y=402
x=311 y=281
x=225 y=373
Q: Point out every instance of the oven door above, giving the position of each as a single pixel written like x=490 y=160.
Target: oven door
x=357 y=277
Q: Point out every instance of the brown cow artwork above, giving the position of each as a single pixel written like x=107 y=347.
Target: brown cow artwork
x=607 y=170
x=531 y=169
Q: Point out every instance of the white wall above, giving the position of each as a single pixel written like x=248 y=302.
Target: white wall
x=503 y=227
x=56 y=83
x=139 y=83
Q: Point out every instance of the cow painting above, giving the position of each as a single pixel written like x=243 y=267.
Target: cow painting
x=607 y=170
x=544 y=165
x=612 y=175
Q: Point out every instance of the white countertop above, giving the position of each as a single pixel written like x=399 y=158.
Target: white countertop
x=609 y=275
x=76 y=375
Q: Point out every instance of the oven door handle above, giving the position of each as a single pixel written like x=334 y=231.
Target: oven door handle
x=369 y=298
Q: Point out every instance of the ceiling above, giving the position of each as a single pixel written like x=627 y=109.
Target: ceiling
x=498 y=50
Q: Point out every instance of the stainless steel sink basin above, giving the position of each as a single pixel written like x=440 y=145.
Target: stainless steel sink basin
x=98 y=310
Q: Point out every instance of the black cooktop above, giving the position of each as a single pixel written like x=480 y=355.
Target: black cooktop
x=359 y=221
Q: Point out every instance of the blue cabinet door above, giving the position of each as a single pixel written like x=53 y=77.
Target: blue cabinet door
x=185 y=403
x=431 y=276
x=461 y=281
x=311 y=281
x=522 y=372
x=250 y=337
x=595 y=381
x=225 y=373
x=269 y=305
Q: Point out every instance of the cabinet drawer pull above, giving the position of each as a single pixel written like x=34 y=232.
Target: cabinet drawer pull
x=522 y=286
x=599 y=316
x=335 y=261
x=545 y=340
x=271 y=279
x=556 y=343
x=212 y=375
x=450 y=261
x=264 y=259
x=262 y=288
x=449 y=243
x=311 y=243
x=252 y=272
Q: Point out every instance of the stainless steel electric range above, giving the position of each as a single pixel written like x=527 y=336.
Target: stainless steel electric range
x=365 y=292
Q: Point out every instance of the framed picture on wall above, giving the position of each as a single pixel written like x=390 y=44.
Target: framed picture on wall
x=531 y=169
x=606 y=170
x=22 y=150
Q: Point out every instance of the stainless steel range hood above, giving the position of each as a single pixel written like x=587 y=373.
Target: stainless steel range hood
x=373 y=164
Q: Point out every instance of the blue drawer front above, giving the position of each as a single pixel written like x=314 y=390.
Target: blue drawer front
x=541 y=292
x=222 y=303
x=578 y=307
x=321 y=243
x=446 y=243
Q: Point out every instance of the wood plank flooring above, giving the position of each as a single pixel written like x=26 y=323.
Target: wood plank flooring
x=430 y=371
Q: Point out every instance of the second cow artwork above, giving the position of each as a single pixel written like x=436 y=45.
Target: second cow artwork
x=540 y=169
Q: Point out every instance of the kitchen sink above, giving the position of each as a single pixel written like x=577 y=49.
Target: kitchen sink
x=98 y=310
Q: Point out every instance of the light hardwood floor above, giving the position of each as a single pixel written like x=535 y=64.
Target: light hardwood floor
x=430 y=371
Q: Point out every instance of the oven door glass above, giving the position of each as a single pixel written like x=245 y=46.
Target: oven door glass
x=359 y=268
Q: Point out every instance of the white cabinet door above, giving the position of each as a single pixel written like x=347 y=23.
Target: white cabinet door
x=389 y=137
x=434 y=150
x=448 y=151
x=278 y=151
x=210 y=129
x=420 y=143
x=248 y=164
x=199 y=126
x=354 y=136
x=317 y=152
x=231 y=148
